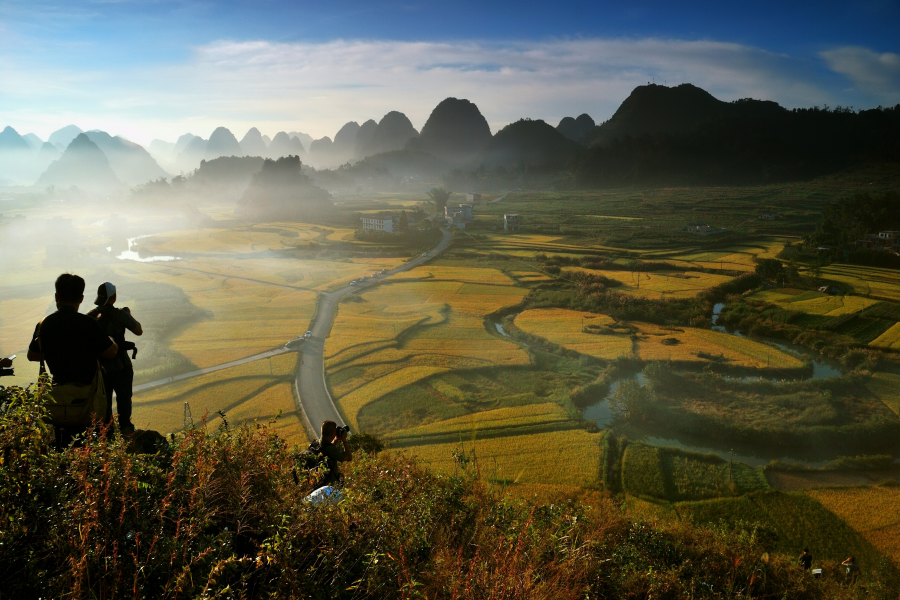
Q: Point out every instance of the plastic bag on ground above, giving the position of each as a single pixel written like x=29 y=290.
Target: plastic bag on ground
x=327 y=495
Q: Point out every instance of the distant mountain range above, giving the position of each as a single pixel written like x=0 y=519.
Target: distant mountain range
x=658 y=134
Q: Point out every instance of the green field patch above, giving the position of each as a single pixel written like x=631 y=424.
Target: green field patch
x=490 y=290
x=886 y=387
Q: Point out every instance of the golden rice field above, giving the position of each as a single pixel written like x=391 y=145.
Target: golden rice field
x=570 y=329
x=872 y=511
x=404 y=331
x=886 y=387
x=661 y=285
x=890 y=339
x=867 y=281
x=501 y=418
x=17 y=321
x=245 y=318
x=567 y=328
x=238 y=240
x=815 y=303
x=569 y=458
x=738 y=258
x=254 y=391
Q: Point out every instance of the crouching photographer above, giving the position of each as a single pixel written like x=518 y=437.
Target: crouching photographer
x=6 y=369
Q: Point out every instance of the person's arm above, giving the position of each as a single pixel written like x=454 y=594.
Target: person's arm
x=132 y=325
x=34 y=353
x=348 y=455
x=111 y=351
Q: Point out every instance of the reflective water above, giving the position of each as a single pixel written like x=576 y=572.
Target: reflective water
x=132 y=254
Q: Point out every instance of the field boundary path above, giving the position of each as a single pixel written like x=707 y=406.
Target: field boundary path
x=311 y=392
x=213 y=369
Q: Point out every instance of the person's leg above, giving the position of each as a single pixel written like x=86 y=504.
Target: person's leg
x=123 y=400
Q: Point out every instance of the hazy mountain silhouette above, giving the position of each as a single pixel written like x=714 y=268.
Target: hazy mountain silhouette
x=455 y=131
x=344 y=145
x=304 y=138
x=364 y=137
x=685 y=136
x=284 y=145
x=652 y=109
x=11 y=141
x=267 y=140
x=529 y=143
x=17 y=159
x=46 y=155
x=129 y=161
x=222 y=143
x=400 y=163
x=575 y=129
x=392 y=133
x=321 y=152
x=34 y=141
x=63 y=137
x=252 y=144
x=83 y=164
x=183 y=142
x=194 y=151
x=282 y=191
x=226 y=172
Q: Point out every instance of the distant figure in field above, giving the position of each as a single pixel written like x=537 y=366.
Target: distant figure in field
x=119 y=371
x=70 y=343
x=851 y=570
x=333 y=454
x=805 y=560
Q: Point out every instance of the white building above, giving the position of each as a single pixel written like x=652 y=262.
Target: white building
x=510 y=222
x=473 y=197
x=889 y=235
x=379 y=222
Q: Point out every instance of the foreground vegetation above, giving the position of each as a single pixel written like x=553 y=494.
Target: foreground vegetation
x=222 y=516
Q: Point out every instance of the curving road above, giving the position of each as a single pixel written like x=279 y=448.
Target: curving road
x=312 y=397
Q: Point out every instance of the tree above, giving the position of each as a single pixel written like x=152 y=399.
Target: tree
x=632 y=402
x=439 y=197
x=769 y=268
x=403 y=223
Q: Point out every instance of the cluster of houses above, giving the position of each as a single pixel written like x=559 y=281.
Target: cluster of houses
x=703 y=229
x=883 y=240
x=454 y=216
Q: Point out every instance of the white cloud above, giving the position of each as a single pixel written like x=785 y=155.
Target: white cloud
x=873 y=73
x=318 y=87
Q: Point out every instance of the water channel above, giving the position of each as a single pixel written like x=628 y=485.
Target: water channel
x=602 y=415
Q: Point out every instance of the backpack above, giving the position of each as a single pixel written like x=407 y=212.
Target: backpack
x=314 y=465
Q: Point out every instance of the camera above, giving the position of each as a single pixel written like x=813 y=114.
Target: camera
x=343 y=429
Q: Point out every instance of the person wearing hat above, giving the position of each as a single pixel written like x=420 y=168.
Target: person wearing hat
x=119 y=371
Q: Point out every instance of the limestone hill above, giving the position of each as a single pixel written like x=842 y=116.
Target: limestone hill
x=84 y=165
x=456 y=131
x=129 y=161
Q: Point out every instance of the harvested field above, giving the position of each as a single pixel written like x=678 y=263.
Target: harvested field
x=874 y=512
x=661 y=284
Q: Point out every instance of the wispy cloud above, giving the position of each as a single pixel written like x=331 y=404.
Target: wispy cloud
x=318 y=87
x=874 y=73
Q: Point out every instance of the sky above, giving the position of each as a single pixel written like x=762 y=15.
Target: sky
x=150 y=69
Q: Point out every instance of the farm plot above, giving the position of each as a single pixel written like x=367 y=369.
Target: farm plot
x=890 y=339
x=17 y=320
x=238 y=240
x=661 y=284
x=886 y=387
x=600 y=336
x=873 y=512
x=867 y=281
x=404 y=331
x=799 y=520
x=243 y=318
x=256 y=391
x=815 y=303
x=534 y=458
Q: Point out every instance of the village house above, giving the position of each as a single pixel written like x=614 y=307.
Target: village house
x=511 y=222
x=378 y=222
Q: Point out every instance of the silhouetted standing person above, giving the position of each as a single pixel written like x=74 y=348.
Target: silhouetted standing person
x=851 y=570
x=332 y=453
x=119 y=371
x=70 y=342
x=805 y=560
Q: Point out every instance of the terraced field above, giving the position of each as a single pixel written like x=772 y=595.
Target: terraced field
x=569 y=458
x=815 y=303
x=886 y=387
x=661 y=284
x=254 y=391
x=425 y=321
x=601 y=337
x=866 y=281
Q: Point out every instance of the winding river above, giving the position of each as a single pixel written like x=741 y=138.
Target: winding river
x=602 y=415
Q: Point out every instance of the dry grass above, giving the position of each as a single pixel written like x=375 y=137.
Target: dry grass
x=570 y=458
x=872 y=511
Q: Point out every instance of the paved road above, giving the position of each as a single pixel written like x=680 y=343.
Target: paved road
x=313 y=400
x=234 y=363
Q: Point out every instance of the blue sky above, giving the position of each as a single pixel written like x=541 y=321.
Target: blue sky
x=149 y=68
